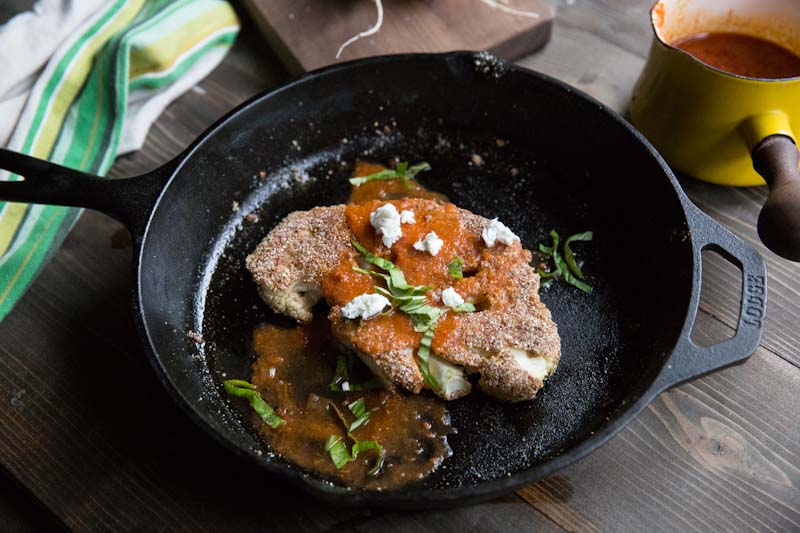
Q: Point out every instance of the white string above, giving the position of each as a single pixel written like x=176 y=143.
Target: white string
x=379 y=22
x=510 y=10
x=373 y=30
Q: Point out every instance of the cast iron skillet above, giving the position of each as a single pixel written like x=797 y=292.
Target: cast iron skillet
x=568 y=163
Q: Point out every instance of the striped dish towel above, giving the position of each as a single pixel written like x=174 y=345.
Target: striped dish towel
x=113 y=67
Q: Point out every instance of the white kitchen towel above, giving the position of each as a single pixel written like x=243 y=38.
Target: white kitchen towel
x=81 y=81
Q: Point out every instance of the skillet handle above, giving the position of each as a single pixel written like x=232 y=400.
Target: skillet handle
x=690 y=361
x=129 y=200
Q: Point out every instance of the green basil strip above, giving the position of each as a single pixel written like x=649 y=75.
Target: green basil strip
x=387 y=174
x=367 y=445
x=341 y=374
x=344 y=367
x=359 y=410
x=411 y=300
x=358 y=407
x=371 y=273
x=547 y=275
x=402 y=172
x=549 y=250
x=568 y=277
x=336 y=447
x=416 y=169
x=339 y=453
x=565 y=267
x=425 y=319
x=243 y=389
x=454 y=268
x=570 y=257
x=423 y=355
x=374 y=259
x=466 y=307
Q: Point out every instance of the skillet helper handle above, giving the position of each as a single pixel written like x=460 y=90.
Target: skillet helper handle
x=777 y=159
x=690 y=361
x=129 y=200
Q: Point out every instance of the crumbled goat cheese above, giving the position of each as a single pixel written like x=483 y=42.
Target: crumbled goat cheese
x=365 y=306
x=386 y=221
x=407 y=217
x=451 y=298
x=497 y=231
x=431 y=244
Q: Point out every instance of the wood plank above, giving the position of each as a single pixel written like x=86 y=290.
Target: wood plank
x=722 y=452
x=307 y=34
x=22 y=513
x=601 y=69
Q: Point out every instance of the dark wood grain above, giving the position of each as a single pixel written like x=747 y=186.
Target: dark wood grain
x=718 y=453
x=307 y=34
x=86 y=429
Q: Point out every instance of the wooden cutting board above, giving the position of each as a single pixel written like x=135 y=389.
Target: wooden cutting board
x=306 y=34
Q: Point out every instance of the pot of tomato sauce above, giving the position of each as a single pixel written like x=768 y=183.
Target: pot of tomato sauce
x=720 y=99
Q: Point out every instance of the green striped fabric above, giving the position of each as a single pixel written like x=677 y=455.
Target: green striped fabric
x=130 y=52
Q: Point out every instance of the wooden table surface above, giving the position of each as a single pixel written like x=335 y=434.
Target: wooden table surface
x=89 y=440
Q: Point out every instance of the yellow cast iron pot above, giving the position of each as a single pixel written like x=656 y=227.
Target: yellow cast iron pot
x=708 y=123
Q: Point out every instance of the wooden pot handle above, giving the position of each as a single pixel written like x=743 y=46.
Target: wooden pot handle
x=776 y=158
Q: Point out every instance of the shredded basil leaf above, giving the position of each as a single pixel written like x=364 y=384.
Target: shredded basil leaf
x=568 y=277
x=550 y=249
x=243 y=389
x=359 y=410
x=423 y=357
x=344 y=367
x=466 y=307
x=565 y=267
x=379 y=262
x=338 y=451
x=341 y=374
x=570 y=257
x=403 y=172
x=336 y=447
x=366 y=445
x=410 y=299
x=340 y=455
x=547 y=275
x=454 y=268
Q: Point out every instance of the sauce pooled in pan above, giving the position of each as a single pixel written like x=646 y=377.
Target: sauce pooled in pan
x=293 y=371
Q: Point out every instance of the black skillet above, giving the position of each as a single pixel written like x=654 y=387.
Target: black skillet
x=551 y=158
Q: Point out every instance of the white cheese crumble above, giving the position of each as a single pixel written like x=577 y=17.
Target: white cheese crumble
x=365 y=306
x=497 y=231
x=451 y=298
x=386 y=221
x=431 y=243
x=407 y=217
